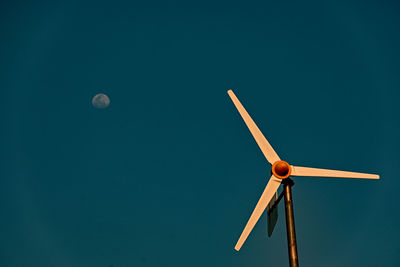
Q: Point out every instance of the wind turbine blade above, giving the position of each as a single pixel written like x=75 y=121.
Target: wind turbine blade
x=262 y=142
x=269 y=192
x=272 y=211
x=305 y=171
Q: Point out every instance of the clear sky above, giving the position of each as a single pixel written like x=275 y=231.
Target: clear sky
x=168 y=174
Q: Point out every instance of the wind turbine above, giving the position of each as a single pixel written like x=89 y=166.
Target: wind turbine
x=281 y=171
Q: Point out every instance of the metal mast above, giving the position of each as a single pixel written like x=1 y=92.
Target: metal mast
x=290 y=229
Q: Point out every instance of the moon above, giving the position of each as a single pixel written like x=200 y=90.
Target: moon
x=101 y=101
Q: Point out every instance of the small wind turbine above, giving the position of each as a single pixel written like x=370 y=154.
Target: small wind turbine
x=281 y=171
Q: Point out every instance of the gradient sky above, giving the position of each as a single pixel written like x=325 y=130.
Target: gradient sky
x=168 y=175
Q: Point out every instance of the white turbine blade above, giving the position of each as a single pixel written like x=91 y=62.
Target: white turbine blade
x=262 y=142
x=269 y=191
x=305 y=171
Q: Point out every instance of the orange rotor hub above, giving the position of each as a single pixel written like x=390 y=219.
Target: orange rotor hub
x=281 y=169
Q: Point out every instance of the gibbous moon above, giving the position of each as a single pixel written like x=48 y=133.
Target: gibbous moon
x=101 y=101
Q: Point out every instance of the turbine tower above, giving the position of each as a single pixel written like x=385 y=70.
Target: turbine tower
x=281 y=171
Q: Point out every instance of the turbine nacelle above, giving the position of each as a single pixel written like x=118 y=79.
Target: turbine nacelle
x=281 y=169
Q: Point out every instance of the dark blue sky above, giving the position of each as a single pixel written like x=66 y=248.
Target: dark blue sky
x=169 y=174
